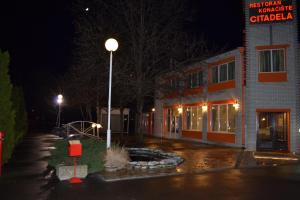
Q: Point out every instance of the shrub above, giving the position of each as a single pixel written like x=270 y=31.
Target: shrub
x=92 y=154
x=7 y=113
x=21 y=114
x=116 y=158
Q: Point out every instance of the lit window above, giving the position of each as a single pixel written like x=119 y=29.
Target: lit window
x=231 y=70
x=196 y=79
x=215 y=74
x=223 y=118
x=193 y=118
x=272 y=60
x=224 y=72
x=174 y=83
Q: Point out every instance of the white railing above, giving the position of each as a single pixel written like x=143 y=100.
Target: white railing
x=86 y=128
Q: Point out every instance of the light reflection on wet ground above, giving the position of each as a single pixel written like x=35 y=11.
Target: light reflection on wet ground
x=198 y=157
x=26 y=176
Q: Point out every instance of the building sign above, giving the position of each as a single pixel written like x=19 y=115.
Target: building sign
x=271 y=11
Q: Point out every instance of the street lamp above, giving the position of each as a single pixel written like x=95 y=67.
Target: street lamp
x=59 y=101
x=110 y=45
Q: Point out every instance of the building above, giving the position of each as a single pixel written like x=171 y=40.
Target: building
x=119 y=120
x=247 y=97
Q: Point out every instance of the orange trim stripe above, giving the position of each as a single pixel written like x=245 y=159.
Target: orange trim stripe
x=273 y=110
x=193 y=91
x=229 y=101
x=221 y=137
x=192 y=134
x=223 y=61
x=193 y=70
x=243 y=71
x=272 y=77
x=221 y=86
x=278 y=46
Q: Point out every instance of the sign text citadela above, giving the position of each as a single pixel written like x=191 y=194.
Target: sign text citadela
x=271 y=11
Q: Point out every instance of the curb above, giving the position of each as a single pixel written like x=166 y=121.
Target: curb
x=195 y=172
x=161 y=175
x=138 y=177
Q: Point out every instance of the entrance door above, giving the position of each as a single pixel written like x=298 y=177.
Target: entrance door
x=175 y=125
x=173 y=122
x=272 y=134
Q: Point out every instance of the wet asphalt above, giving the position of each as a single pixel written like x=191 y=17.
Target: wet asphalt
x=27 y=177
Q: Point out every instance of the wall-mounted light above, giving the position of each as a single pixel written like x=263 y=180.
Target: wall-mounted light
x=153 y=109
x=204 y=108
x=236 y=105
x=179 y=110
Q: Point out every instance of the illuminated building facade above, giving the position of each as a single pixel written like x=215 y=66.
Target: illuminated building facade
x=248 y=97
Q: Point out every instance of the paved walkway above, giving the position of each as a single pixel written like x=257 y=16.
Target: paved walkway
x=198 y=158
x=276 y=183
x=26 y=175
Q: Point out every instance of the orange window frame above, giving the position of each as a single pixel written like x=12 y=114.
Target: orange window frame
x=210 y=104
x=212 y=87
x=277 y=76
x=195 y=90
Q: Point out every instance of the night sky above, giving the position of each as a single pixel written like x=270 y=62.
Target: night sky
x=39 y=35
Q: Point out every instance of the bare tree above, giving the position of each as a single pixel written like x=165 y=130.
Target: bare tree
x=151 y=38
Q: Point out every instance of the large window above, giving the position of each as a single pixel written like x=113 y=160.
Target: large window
x=224 y=72
x=193 y=118
x=223 y=118
x=195 y=79
x=174 y=83
x=272 y=60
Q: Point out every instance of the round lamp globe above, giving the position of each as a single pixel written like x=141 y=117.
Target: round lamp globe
x=111 y=44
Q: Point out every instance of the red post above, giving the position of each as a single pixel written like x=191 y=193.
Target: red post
x=1 y=139
x=75 y=150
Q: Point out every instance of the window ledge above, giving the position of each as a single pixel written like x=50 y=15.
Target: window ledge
x=191 y=91
x=221 y=86
x=192 y=134
x=266 y=77
x=220 y=132
x=221 y=137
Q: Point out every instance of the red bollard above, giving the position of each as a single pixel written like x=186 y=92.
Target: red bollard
x=75 y=150
x=1 y=139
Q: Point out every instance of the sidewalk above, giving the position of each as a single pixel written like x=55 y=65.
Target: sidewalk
x=26 y=175
x=199 y=158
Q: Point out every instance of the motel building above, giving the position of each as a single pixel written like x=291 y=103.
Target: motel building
x=247 y=97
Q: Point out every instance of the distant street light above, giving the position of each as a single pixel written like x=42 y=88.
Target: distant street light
x=59 y=101
x=110 y=45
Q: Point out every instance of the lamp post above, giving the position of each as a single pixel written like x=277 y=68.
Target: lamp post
x=110 y=45
x=59 y=101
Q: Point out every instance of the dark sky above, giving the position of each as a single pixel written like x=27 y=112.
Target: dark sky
x=39 y=33
x=38 y=36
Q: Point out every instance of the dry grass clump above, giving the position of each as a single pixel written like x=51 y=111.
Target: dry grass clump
x=116 y=158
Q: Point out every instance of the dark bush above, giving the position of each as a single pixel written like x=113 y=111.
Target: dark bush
x=93 y=152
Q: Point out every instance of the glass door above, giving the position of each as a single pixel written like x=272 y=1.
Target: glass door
x=272 y=131
x=174 y=123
